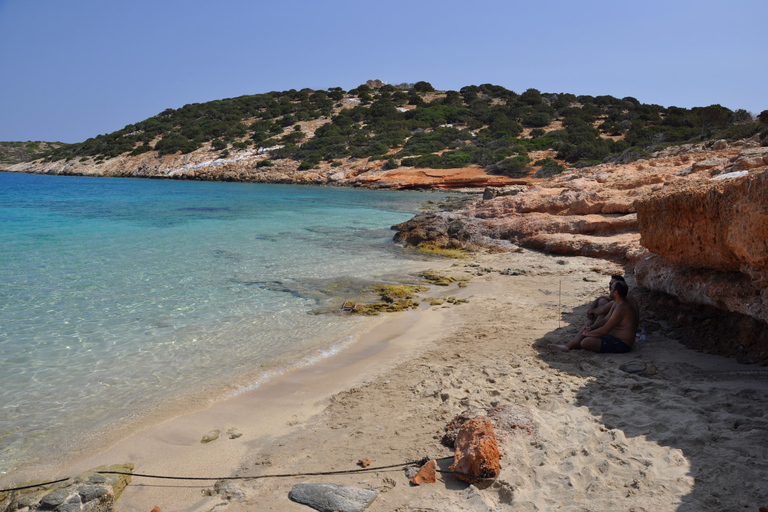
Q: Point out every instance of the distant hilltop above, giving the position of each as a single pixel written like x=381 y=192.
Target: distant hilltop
x=492 y=134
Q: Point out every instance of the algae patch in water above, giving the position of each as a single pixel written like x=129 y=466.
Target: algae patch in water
x=433 y=250
x=396 y=297
x=384 y=307
x=444 y=278
x=394 y=292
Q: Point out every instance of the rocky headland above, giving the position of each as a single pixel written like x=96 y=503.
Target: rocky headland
x=692 y=222
x=247 y=166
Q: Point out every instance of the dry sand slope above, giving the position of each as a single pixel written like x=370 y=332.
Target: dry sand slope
x=688 y=434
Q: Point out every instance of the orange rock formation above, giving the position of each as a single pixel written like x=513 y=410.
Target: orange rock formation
x=477 y=452
x=694 y=220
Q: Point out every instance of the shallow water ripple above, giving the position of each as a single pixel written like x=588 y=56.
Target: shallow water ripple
x=117 y=296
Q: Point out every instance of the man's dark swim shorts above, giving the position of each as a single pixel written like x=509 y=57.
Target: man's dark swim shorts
x=613 y=345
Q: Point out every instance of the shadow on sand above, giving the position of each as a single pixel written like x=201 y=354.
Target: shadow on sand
x=712 y=409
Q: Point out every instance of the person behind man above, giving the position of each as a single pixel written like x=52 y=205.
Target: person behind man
x=602 y=305
x=615 y=333
x=599 y=307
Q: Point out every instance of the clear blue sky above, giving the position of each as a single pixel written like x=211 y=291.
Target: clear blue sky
x=71 y=69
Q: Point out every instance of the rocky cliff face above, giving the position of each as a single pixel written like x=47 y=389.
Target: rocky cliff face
x=692 y=222
x=590 y=211
x=722 y=224
x=709 y=243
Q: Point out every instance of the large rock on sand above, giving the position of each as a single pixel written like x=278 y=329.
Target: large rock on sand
x=332 y=497
x=477 y=452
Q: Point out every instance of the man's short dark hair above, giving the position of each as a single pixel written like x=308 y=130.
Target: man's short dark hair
x=622 y=288
x=618 y=277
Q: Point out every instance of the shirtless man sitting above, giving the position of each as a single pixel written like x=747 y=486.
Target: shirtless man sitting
x=600 y=307
x=615 y=333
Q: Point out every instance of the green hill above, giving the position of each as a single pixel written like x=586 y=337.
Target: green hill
x=17 y=152
x=415 y=125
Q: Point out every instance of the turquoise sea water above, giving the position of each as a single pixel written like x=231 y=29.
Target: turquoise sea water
x=118 y=296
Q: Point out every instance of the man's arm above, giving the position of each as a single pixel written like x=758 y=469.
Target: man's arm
x=602 y=321
x=609 y=323
x=602 y=310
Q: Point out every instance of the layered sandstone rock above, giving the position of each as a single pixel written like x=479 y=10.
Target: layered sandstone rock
x=586 y=212
x=720 y=225
x=711 y=243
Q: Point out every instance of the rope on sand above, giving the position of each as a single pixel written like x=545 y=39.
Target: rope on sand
x=420 y=462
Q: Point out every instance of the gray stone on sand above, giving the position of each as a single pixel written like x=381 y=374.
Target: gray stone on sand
x=229 y=491
x=55 y=499
x=513 y=272
x=97 y=478
x=633 y=367
x=639 y=367
x=211 y=436
x=332 y=497
x=91 y=492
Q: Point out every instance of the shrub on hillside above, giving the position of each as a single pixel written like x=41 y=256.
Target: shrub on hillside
x=739 y=131
x=531 y=97
x=514 y=167
x=292 y=137
x=631 y=154
x=286 y=121
x=453 y=98
x=448 y=160
x=422 y=86
x=391 y=163
x=549 y=167
x=259 y=137
x=306 y=165
x=137 y=151
x=537 y=119
x=175 y=143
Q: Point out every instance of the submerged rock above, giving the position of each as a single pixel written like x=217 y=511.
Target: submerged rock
x=87 y=492
x=393 y=292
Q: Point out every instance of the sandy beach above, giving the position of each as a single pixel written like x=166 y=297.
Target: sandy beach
x=688 y=433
